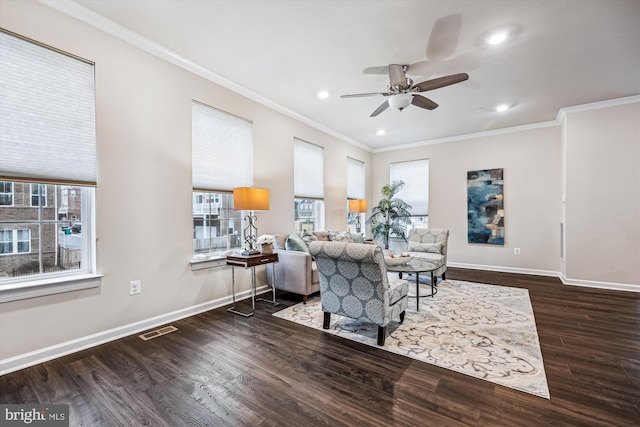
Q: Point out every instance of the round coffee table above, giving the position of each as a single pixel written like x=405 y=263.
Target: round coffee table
x=417 y=266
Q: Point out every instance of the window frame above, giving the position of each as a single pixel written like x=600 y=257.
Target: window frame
x=26 y=161
x=209 y=127
x=49 y=283
x=308 y=160
x=417 y=220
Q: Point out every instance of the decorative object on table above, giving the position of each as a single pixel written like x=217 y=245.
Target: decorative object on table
x=484 y=331
x=266 y=243
x=485 y=210
x=392 y=259
x=358 y=206
x=250 y=199
x=390 y=216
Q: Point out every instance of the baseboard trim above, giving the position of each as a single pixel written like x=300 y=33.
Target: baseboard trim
x=503 y=269
x=627 y=287
x=26 y=360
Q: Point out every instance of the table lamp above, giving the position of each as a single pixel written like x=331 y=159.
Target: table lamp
x=358 y=206
x=250 y=199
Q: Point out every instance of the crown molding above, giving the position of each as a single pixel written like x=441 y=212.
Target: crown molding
x=467 y=136
x=562 y=113
x=81 y=13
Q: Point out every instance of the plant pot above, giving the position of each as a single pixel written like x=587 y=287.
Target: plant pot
x=266 y=248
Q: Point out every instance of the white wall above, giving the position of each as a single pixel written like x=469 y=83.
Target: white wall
x=531 y=163
x=603 y=194
x=144 y=223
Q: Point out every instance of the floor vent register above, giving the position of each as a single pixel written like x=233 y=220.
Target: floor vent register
x=158 y=332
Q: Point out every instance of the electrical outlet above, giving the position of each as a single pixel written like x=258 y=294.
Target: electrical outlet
x=516 y=251
x=135 y=287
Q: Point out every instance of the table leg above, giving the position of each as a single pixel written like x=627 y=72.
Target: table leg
x=232 y=309
x=417 y=292
x=273 y=287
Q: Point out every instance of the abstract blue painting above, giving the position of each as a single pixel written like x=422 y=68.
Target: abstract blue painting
x=485 y=206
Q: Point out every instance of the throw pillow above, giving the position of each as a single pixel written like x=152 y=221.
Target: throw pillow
x=340 y=237
x=295 y=243
x=308 y=237
x=433 y=248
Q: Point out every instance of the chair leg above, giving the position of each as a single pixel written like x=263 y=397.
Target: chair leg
x=444 y=276
x=304 y=299
x=382 y=334
x=402 y=317
x=326 y=321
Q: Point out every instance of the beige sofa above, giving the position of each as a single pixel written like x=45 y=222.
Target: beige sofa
x=295 y=270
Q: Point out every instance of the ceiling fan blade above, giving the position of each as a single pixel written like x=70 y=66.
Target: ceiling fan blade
x=358 y=95
x=397 y=76
x=444 y=37
x=379 y=69
x=380 y=109
x=442 y=82
x=422 y=102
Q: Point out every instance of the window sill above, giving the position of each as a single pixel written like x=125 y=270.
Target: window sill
x=48 y=286
x=208 y=262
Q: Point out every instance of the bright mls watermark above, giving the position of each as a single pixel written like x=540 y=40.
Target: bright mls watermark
x=34 y=415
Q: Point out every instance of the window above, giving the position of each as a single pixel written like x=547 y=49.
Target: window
x=355 y=191
x=415 y=175
x=6 y=193
x=15 y=242
x=47 y=105
x=39 y=195
x=46 y=240
x=308 y=186
x=222 y=156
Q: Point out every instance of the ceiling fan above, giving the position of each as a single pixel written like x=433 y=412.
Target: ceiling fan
x=402 y=92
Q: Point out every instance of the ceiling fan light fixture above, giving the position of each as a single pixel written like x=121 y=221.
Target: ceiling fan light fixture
x=400 y=101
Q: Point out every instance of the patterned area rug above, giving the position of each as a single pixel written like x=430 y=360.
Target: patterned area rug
x=484 y=331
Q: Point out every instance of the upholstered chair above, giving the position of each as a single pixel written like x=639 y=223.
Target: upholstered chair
x=430 y=244
x=354 y=283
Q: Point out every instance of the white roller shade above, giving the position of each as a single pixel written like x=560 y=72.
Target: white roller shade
x=222 y=149
x=415 y=192
x=355 y=179
x=308 y=170
x=47 y=114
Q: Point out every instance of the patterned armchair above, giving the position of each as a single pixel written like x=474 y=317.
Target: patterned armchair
x=431 y=244
x=354 y=283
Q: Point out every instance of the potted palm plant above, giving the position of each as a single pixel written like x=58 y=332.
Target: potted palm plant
x=391 y=214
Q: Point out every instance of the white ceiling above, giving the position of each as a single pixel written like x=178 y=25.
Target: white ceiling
x=563 y=53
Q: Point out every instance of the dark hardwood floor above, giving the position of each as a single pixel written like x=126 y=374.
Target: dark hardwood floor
x=220 y=369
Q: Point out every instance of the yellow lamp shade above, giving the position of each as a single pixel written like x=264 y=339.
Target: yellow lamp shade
x=250 y=199
x=358 y=205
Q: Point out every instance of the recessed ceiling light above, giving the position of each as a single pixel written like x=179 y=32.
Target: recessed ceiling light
x=323 y=94
x=497 y=38
x=502 y=107
x=380 y=132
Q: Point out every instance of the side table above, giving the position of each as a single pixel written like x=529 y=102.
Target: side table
x=251 y=261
